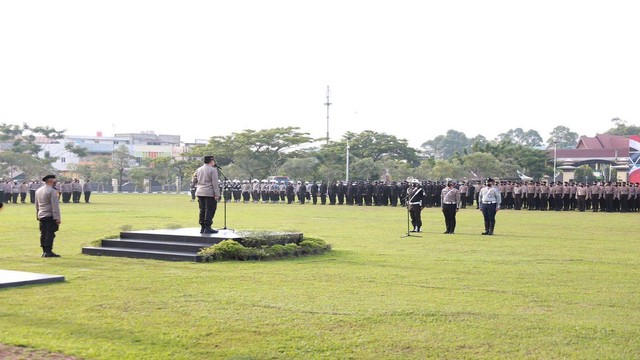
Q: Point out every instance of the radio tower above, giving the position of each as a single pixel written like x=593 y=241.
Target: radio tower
x=327 y=104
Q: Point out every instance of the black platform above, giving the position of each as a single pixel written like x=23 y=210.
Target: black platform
x=167 y=244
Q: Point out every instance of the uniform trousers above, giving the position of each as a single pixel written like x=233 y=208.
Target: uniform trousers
x=595 y=202
x=48 y=228
x=207 y=205
x=87 y=195
x=449 y=211
x=415 y=212
x=489 y=214
x=582 y=202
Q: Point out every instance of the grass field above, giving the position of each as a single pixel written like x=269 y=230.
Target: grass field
x=547 y=285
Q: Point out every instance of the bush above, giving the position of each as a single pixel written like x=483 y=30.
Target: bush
x=257 y=239
x=234 y=250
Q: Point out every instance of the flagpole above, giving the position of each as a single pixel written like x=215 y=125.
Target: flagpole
x=555 y=161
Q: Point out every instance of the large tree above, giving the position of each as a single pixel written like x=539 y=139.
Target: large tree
x=519 y=136
x=379 y=146
x=259 y=153
x=446 y=146
x=562 y=137
x=121 y=160
x=20 y=149
x=622 y=128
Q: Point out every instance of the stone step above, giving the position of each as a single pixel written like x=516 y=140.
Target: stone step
x=141 y=253
x=155 y=245
x=187 y=235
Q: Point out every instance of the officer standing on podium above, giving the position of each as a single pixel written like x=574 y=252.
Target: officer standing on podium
x=208 y=193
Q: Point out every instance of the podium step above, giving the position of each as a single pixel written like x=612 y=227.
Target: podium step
x=141 y=253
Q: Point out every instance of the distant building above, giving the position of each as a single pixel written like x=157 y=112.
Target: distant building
x=145 y=145
x=597 y=152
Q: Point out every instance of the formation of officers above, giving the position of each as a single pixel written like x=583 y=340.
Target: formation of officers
x=70 y=191
x=517 y=195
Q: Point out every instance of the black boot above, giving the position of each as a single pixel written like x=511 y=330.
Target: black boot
x=202 y=227
x=209 y=230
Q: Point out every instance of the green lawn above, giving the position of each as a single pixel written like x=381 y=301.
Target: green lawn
x=547 y=285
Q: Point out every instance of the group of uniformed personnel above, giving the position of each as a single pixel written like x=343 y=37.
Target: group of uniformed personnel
x=70 y=191
x=367 y=193
x=12 y=191
x=571 y=195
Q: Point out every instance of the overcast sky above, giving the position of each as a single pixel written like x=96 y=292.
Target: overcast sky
x=413 y=69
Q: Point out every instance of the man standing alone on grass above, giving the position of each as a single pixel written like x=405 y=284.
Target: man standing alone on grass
x=208 y=192
x=48 y=214
x=489 y=205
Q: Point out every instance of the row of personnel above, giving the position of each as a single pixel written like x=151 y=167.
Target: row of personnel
x=610 y=196
x=69 y=191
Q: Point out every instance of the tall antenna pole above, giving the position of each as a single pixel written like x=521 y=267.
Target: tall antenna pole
x=327 y=104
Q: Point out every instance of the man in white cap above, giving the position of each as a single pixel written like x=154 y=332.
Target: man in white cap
x=415 y=203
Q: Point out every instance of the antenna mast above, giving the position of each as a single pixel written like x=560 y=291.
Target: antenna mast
x=327 y=104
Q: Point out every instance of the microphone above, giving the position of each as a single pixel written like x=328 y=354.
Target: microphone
x=217 y=166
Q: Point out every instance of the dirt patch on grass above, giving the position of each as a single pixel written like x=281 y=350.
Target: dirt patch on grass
x=8 y=352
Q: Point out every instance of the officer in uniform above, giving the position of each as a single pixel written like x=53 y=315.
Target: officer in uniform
x=208 y=193
x=595 y=193
x=581 y=194
x=86 y=188
x=489 y=205
x=48 y=214
x=323 y=192
x=246 y=191
x=314 y=192
x=450 y=200
x=415 y=200
x=76 y=190
x=302 y=192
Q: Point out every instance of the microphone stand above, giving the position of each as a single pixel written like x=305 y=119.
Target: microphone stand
x=226 y=184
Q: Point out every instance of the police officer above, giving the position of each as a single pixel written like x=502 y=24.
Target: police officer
x=86 y=188
x=48 y=214
x=450 y=200
x=489 y=205
x=314 y=192
x=415 y=201
x=208 y=193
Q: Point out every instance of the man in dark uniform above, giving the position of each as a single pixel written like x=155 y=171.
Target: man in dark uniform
x=415 y=195
x=314 y=192
x=323 y=192
x=333 y=190
x=302 y=193
x=341 y=192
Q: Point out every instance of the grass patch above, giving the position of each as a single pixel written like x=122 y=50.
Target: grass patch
x=547 y=285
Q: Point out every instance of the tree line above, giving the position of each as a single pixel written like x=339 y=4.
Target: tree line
x=257 y=154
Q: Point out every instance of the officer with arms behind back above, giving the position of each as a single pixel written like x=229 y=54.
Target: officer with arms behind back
x=489 y=204
x=208 y=193
x=48 y=214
